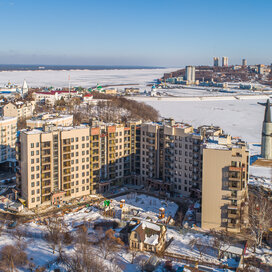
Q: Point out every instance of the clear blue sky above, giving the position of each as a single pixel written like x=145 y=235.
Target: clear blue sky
x=135 y=32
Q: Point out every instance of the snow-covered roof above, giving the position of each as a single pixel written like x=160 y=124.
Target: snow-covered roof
x=233 y=249
x=152 y=240
x=149 y=225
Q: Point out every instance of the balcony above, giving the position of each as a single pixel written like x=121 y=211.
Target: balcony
x=236 y=169
x=235 y=225
x=234 y=177
x=234 y=185
x=66 y=149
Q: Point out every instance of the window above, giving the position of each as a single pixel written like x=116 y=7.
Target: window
x=37 y=144
x=32 y=184
x=32 y=145
x=32 y=199
x=32 y=168
x=32 y=153
x=33 y=192
x=37 y=152
x=32 y=161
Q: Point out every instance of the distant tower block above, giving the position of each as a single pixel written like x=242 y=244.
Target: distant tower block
x=122 y=203
x=216 y=61
x=162 y=212
x=225 y=61
x=267 y=133
x=244 y=62
x=190 y=74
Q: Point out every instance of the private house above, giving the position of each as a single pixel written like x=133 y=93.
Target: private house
x=147 y=236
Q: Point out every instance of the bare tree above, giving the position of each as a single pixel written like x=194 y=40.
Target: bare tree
x=109 y=244
x=260 y=220
x=55 y=233
x=221 y=241
x=12 y=257
x=199 y=245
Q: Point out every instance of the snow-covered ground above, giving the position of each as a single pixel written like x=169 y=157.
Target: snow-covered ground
x=240 y=118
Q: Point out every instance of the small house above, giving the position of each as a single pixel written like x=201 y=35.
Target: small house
x=147 y=236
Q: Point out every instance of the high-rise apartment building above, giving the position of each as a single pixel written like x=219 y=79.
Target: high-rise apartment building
x=216 y=61
x=190 y=74
x=60 y=163
x=244 y=62
x=114 y=155
x=54 y=164
x=225 y=61
x=168 y=157
x=224 y=184
x=171 y=158
x=8 y=133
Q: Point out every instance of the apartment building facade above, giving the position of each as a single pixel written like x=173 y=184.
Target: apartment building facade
x=60 y=163
x=8 y=133
x=113 y=155
x=224 y=184
x=18 y=109
x=54 y=165
x=170 y=158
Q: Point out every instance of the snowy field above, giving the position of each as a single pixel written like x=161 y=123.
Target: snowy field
x=84 y=78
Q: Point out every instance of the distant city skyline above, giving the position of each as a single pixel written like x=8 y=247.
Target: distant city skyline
x=147 y=33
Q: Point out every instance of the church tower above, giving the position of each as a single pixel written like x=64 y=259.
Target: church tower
x=267 y=133
x=24 y=89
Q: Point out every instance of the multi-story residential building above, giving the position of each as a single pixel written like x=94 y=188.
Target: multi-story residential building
x=171 y=158
x=113 y=155
x=50 y=97
x=190 y=74
x=225 y=61
x=168 y=157
x=244 y=62
x=50 y=119
x=18 y=109
x=216 y=61
x=8 y=134
x=224 y=184
x=54 y=164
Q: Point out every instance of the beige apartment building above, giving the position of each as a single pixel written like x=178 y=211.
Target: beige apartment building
x=8 y=133
x=171 y=158
x=224 y=184
x=53 y=165
x=113 y=155
x=60 y=163
x=49 y=119
x=18 y=109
